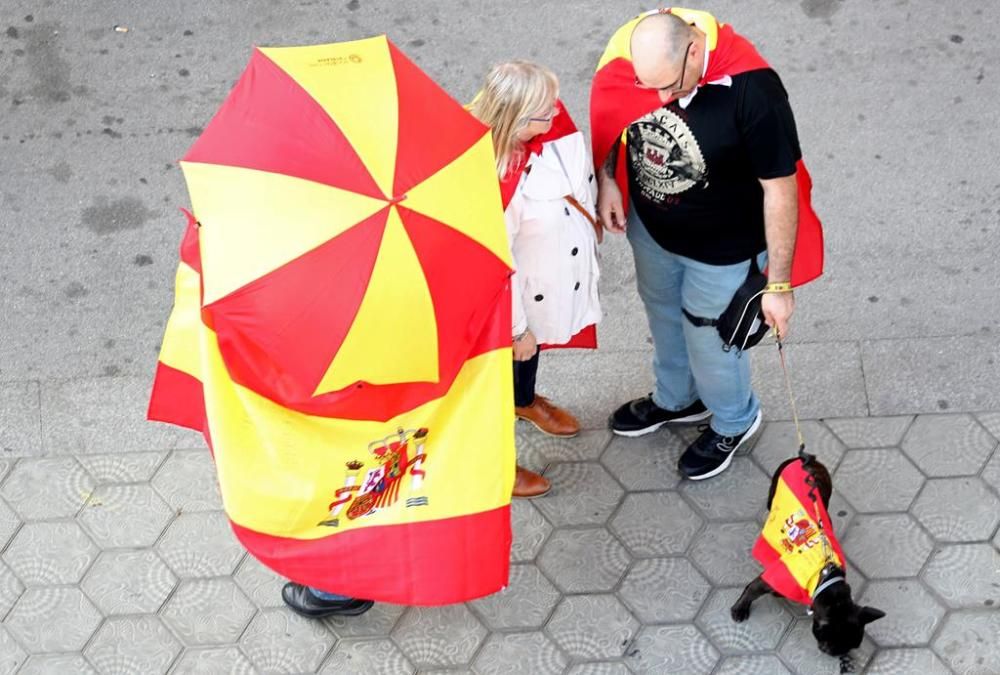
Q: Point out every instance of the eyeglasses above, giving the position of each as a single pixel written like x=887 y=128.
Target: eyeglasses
x=670 y=87
x=552 y=114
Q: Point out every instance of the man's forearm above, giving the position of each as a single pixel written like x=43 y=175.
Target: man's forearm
x=610 y=162
x=781 y=220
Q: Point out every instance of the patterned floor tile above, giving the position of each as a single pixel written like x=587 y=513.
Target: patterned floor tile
x=870 y=432
x=948 y=445
x=592 y=627
x=9 y=522
x=119 y=516
x=722 y=552
x=10 y=589
x=261 y=584
x=871 y=536
x=965 y=575
x=958 y=509
x=799 y=652
x=56 y=552
x=187 y=481
x=912 y=614
x=530 y=530
x=129 y=582
x=778 y=442
x=376 y=622
x=213 y=661
x=133 y=644
x=587 y=560
x=967 y=642
x=377 y=657
x=280 y=641
x=645 y=463
x=526 y=603
x=133 y=467
x=752 y=665
x=991 y=472
x=11 y=654
x=208 y=612
x=439 y=636
x=991 y=420
x=659 y=590
x=47 y=488
x=6 y=466
x=535 y=449
x=599 y=668
x=738 y=494
x=656 y=524
x=519 y=653
x=582 y=493
x=52 y=619
x=672 y=649
x=55 y=664
x=200 y=545
x=907 y=662
x=761 y=632
x=878 y=480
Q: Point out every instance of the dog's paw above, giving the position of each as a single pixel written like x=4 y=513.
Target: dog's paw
x=740 y=613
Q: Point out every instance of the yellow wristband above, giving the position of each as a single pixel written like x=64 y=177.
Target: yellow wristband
x=778 y=287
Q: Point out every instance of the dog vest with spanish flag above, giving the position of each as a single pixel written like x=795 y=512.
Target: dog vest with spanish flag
x=792 y=547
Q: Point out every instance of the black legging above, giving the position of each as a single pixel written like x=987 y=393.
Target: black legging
x=524 y=381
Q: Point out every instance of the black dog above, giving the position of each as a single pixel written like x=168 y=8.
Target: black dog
x=838 y=623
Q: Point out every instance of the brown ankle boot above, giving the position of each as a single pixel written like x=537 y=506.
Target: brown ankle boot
x=549 y=419
x=530 y=484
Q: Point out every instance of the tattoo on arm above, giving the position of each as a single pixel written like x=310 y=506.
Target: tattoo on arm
x=608 y=169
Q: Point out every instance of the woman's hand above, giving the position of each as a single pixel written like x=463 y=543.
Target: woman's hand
x=525 y=347
x=609 y=206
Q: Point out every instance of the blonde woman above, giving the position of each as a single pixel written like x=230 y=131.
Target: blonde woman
x=548 y=193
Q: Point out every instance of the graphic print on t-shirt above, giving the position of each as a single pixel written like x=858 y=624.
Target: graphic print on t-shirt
x=665 y=156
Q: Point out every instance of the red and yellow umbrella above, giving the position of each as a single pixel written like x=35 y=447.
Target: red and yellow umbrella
x=341 y=328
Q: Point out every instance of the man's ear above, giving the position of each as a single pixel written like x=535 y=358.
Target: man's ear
x=869 y=614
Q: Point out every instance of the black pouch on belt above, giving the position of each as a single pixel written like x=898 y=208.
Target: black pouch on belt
x=741 y=325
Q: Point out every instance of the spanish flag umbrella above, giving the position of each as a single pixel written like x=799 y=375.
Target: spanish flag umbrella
x=341 y=327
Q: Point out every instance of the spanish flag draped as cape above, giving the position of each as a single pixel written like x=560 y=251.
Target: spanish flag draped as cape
x=615 y=103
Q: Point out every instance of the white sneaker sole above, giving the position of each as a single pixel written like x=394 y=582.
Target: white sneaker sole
x=747 y=438
x=690 y=419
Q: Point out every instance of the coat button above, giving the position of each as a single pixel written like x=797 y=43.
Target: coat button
x=539 y=297
x=577 y=287
x=574 y=251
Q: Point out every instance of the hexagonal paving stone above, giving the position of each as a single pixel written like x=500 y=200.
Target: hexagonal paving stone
x=530 y=530
x=582 y=494
x=778 y=442
x=664 y=589
x=133 y=644
x=120 y=516
x=722 y=552
x=645 y=463
x=9 y=522
x=948 y=445
x=799 y=652
x=991 y=474
x=738 y=494
x=905 y=661
x=50 y=553
x=758 y=664
x=129 y=582
x=208 y=611
x=870 y=432
x=213 y=660
x=965 y=575
x=871 y=536
x=10 y=589
x=967 y=641
x=536 y=450
x=439 y=636
x=581 y=561
x=525 y=603
x=47 y=488
x=260 y=583
x=187 y=481
x=129 y=467
x=11 y=654
x=761 y=632
x=376 y=622
x=279 y=641
x=878 y=480
x=655 y=523
x=990 y=420
x=380 y=657
x=48 y=664
x=53 y=619
x=958 y=509
x=672 y=649
x=599 y=668
x=200 y=545
x=519 y=653
x=591 y=627
x=912 y=614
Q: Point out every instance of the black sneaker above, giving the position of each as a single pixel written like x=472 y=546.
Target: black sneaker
x=711 y=453
x=642 y=416
x=303 y=602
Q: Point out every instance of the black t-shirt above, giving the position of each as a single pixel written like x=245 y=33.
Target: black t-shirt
x=693 y=173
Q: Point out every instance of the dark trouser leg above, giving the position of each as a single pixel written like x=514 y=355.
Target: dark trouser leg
x=524 y=381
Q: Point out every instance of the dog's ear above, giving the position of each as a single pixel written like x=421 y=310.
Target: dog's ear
x=869 y=614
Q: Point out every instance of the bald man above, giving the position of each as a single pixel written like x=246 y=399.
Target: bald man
x=710 y=159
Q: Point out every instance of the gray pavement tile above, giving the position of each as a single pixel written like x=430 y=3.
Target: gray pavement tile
x=758 y=664
x=722 y=552
x=119 y=516
x=655 y=523
x=990 y=420
x=991 y=472
x=968 y=643
x=439 y=636
x=948 y=445
x=672 y=649
x=588 y=560
x=799 y=652
x=907 y=661
x=738 y=494
x=47 y=488
x=927 y=375
x=380 y=657
x=912 y=613
x=958 y=509
x=56 y=664
x=376 y=622
x=53 y=619
x=530 y=530
x=21 y=431
x=200 y=545
x=104 y=415
x=878 y=480
x=208 y=612
x=9 y=522
x=592 y=627
x=261 y=584
x=525 y=603
x=133 y=644
x=599 y=668
x=212 y=661
x=132 y=467
x=645 y=463
x=129 y=582
x=519 y=653
x=280 y=641
x=535 y=449
x=56 y=552
x=187 y=481
x=583 y=493
x=660 y=590
x=965 y=575
x=11 y=654
x=5 y=467
x=778 y=442
x=841 y=513
x=769 y=619
x=10 y=589
x=870 y=536
x=870 y=432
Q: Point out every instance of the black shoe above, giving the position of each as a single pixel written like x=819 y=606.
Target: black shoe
x=712 y=453
x=304 y=603
x=642 y=416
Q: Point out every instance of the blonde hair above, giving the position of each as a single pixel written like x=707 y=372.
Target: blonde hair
x=512 y=94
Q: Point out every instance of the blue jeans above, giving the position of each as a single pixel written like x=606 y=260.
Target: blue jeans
x=689 y=362
x=323 y=595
